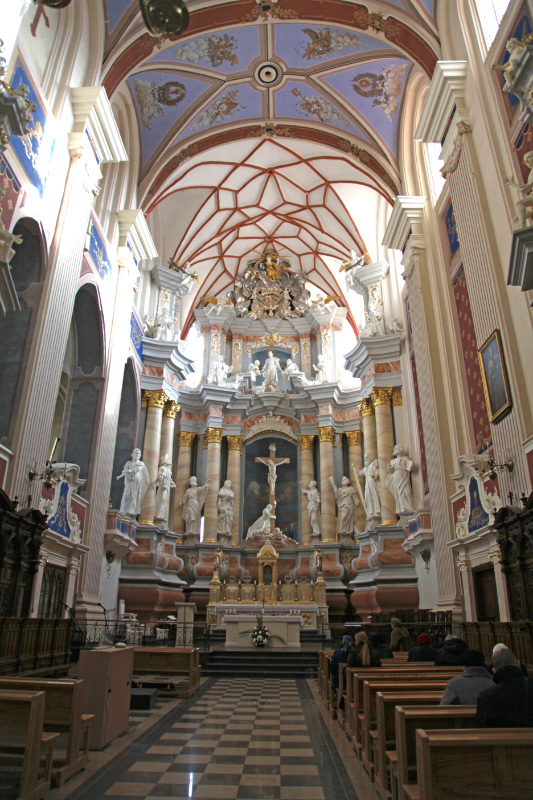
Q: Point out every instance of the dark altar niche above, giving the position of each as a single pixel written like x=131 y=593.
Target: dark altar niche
x=256 y=492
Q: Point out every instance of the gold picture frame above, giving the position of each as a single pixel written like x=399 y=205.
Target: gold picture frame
x=495 y=380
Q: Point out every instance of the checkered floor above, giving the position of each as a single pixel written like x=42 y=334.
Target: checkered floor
x=237 y=738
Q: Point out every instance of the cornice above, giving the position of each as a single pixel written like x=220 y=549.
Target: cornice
x=446 y=92
x=92 y=111
x=407 y=213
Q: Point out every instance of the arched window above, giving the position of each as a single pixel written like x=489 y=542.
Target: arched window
x=490 y=13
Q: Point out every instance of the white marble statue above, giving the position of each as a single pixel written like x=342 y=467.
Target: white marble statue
x=136 y=482
x=515 y=48
x=255 y=370
x=192 y=502
x=262 y=524
x=524 y=207
x=292 y=368
x=347 y=503
x=164 y=484
x=399 y=480
x=270 y=372
x=219 y=373
x=321 y=369
x=318 y=557
x=226 y=498
x=370 y=472
x=313 y=507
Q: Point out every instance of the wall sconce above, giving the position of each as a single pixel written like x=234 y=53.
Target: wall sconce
x=493 y=466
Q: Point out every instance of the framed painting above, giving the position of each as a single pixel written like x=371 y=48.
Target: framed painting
x=494 y=375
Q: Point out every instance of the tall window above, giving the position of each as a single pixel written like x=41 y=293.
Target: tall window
x=490 y=14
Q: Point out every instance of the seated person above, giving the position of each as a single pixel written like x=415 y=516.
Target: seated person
x=400 y=641
x=379 y=643
x=451 y=653
x=422 y=651
x=363 y=654
x=508 y=704
x=340 y=656
x=465 y=689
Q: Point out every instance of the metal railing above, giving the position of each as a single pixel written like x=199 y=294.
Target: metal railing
x=165 y=633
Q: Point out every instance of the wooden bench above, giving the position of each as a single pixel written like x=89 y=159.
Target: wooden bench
x=23 y=743
x=385 y=741
x=167 y=667
x=407 y=720
x=62 y=715
x=369 y=721
x=324 y=660
x=478 y=764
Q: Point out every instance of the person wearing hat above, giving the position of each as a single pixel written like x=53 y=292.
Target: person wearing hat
x=422 y=650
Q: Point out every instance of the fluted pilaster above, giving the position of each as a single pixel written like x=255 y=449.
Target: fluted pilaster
x=234 y=475
x=212 y=473
x=326 y=437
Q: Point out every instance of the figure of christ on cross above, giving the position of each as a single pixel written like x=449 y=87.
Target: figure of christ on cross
x=272 y=463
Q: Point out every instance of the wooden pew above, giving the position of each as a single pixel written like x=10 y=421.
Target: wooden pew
x=400 y=656
x=358 y=676
x=324 y=658
x=385 y=742
x=23 y=743
x=395 y=662
x=166 y=667
x=478 y=764
x=369 y=721
x=407 y=720
x=62 y=715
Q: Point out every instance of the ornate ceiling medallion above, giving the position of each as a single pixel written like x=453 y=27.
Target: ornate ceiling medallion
x=268 y=74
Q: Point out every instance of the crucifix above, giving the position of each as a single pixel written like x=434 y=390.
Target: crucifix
x=272 y=463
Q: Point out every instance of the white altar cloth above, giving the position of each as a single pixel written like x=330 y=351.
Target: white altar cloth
x=309 y=612
x=286 y=626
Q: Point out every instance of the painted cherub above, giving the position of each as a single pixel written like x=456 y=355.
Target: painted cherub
x=524 y=205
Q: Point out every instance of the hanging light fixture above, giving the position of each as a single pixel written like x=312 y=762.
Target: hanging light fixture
x=161 y=17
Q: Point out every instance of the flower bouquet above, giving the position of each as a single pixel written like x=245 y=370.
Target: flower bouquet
x=260 y=635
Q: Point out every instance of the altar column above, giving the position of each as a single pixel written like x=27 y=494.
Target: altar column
x=307 y=474
x=326 y=437
x=152 y=442
x=355 y=457
x=381 y=399
x=234 y=475
x=212 y=473
x=366 y=410
x=183 y=473
x=167 y=435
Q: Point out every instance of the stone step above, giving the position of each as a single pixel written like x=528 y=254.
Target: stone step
x=257 y=663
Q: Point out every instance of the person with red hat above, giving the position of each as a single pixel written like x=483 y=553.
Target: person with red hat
x=422 y=650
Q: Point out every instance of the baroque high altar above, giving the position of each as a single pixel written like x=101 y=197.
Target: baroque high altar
x=271 y=451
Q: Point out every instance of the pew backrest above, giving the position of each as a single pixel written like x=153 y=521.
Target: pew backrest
x=21 y=726
x=166 y=660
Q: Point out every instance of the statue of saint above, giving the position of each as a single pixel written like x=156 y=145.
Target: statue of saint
x=313 y=507
x=136 y=482
x=164 y=484
x=321 y=369
x=217 y=561
x=371 y=475
x=254 y=369
x=219 y=373
x=399 y=480
x=347 y=503
x=225 y=509
x=291 y=368
x=262 y=524
x=192 y=502
x=270 y=372
x=318 y=556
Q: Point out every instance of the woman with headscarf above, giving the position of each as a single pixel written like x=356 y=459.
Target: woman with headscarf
x=363 y=654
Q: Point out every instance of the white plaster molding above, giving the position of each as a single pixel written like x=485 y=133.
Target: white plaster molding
x=446 y=91
x=133 y=227
x=92 y=111
x=465 y=528
x=406 y=214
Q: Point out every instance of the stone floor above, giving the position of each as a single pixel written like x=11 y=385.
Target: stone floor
x=237 y=738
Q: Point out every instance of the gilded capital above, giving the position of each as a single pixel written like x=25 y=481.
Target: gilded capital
x=171 y=409
x=306 y=442
x=354 y=438
x=144 y=400
x=234 y=443
x=381 y=397
x=326 y=434
x=155 y=399
x=397 y=396
x=366 y=409
x=186 y=438
x=214 y=435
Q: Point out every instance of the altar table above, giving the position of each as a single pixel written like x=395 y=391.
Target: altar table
x=286 y=626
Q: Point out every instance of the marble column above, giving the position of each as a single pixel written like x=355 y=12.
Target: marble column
x=307 y=474
x=326 y=437
x=152 y=442
x=381 y=399
x=234 y=475
x=168 y=424
x=355 y=457
x=183 y=473
x=305 y=350
x=212 y=473
x=366 y=410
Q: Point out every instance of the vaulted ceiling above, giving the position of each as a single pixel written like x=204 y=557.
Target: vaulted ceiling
x=269 y=123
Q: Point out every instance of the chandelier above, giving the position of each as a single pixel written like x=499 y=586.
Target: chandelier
x=161 y=17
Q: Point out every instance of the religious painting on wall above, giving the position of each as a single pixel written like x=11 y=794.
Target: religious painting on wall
x=494 y=374
x=257 y=491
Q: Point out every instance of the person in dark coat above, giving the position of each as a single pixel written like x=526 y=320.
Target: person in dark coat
x=451 y=653
x=379 y=643
x=422 y=650
x=340 y=656
x=508 y=704
x=400 y=641
x=465 y=689
x=363 y=654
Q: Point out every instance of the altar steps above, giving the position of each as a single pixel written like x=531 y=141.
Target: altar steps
x=257 y=663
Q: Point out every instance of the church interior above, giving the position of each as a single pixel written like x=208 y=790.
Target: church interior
x=266 y=286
